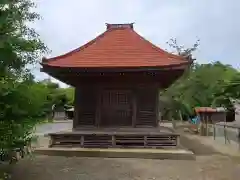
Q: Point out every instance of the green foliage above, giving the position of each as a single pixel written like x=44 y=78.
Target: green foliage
x=69 y=92
x=58 y=96
x=17 y=114
x=19 y=44
x=39 y=93
x=229 y=92
x=23 y=104
x=21 y=99
x=203 y=85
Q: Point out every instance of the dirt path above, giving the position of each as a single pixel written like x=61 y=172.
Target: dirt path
x=62 y=168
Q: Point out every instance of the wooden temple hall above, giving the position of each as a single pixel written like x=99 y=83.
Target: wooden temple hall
x=117 y=77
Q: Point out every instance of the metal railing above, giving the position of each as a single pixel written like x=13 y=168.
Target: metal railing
x=227 y=134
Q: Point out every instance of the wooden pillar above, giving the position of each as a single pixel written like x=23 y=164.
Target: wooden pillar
x=113 y=141
x=178 y=141
x=98 y=107
x=145 y=141
x=76 y=108
x=82 y=141
x=157 y=106
x=134 y=111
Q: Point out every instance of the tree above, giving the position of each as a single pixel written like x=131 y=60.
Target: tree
x=229 y=93
x=181 y=50
x=173 y=97
x=204 y=85
x=213 y=84
x=69 y=92
x=19 y=46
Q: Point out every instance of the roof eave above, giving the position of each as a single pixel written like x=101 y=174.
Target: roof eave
x=182 y=66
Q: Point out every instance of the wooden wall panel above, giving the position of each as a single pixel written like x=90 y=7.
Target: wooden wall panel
x=86 y=105
x=134 y=104
x=146 y=107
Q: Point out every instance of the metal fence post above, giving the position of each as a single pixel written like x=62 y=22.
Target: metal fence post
x=214 y=131
x=207 y=126
x=225 y=134
x=239 y=139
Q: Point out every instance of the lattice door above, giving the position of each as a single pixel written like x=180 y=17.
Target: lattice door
x=116 y=108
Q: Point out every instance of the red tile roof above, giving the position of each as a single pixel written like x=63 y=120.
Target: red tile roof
x=118 y=46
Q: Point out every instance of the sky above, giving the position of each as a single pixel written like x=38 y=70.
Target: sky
x=68 y=24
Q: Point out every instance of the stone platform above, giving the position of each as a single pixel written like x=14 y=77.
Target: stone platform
x=175 y=154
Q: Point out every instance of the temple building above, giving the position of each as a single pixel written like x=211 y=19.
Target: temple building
x=117 y=78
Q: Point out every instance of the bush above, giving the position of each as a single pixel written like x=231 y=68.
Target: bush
x=18 y=111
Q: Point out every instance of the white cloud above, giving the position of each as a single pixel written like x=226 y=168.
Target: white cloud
x=67 y=25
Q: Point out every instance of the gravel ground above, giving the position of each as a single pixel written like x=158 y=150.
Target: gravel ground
x=215 y=167
x=209 y=165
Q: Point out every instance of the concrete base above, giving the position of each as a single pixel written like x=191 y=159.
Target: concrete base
x=175 y=154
